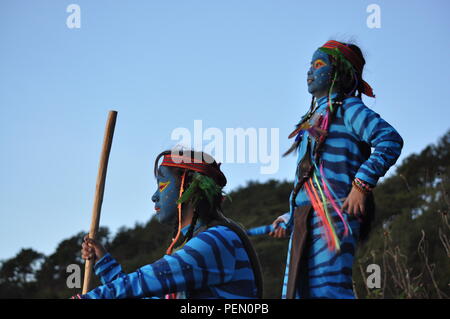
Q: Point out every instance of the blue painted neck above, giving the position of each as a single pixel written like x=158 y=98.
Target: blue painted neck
x=324 y=99
x=185 y=229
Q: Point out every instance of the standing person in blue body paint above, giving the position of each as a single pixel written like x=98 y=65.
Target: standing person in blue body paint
x=332 y=203
x=215 y=258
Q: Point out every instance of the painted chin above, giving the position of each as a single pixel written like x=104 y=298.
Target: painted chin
x=310 y=84
x=165 y=216
x=162 y=218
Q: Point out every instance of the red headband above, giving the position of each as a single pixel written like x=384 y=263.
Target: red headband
x=187 y=162
x=354 y=59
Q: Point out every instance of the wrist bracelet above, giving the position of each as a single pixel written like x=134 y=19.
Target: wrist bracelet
x=362 y=187
x=364 y=184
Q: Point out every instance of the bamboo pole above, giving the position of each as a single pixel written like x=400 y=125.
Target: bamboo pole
x=99 y=190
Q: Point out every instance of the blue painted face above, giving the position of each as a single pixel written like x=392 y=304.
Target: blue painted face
x=319 y=74
x=166 y=195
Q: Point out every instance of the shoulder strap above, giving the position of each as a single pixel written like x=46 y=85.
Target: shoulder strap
x=254 y=261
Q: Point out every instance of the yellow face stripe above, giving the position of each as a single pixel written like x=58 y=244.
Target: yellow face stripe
x=318 y=64
x=163 y=185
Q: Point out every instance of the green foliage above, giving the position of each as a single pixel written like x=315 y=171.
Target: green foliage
x=410 y=239
x=18 y=274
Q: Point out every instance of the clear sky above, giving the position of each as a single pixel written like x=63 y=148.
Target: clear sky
x=163 y=64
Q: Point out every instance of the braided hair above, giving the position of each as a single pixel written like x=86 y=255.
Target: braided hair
x=349 y=80
x=349 y=83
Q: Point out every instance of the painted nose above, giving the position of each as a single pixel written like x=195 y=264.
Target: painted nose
x=155 y=197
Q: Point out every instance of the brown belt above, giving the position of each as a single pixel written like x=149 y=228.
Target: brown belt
x=299 y=235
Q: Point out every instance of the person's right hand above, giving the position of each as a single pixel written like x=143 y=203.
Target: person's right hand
x=91 y=249
x=279 y=231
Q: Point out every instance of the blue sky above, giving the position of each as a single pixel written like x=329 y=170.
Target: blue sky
x=162 y=65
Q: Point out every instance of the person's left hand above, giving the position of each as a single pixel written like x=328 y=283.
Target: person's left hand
x=354 y=204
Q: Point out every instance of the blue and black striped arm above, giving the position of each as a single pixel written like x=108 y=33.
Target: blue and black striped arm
x=369 y=127
x=209 y=259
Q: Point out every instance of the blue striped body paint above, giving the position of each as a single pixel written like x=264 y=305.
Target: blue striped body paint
x=329 y=272
x=262 y=230
x=213 y=264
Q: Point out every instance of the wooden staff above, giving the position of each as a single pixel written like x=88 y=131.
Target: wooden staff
x=99 y=190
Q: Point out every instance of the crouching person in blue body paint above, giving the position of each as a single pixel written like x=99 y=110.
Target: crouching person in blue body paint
x=214 y=257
